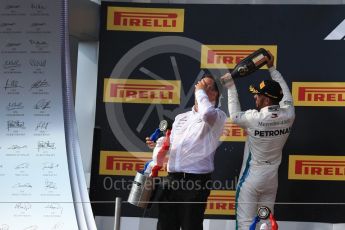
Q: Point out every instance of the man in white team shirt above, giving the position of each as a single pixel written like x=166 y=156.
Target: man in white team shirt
x=193 y=141
x=268 y=127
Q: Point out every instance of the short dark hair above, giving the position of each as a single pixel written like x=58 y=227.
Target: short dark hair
x=215 y=86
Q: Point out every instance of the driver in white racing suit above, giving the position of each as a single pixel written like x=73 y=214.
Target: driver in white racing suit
x=268 y=127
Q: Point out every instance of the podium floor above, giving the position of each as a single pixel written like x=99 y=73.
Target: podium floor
x=136 y=223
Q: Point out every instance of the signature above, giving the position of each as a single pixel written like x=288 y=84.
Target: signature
x=38 y=6
x=32 y=227
x=15 y=125
x=49 y=165
x=22 y=206
x=12 y=44
x=4 y=24
x=45 y=145
x=4 y=227
x=22 y=166
x=39 y=84
x=54 y=207
x=10 y=64
x=12 y=84
x=42 y=125
x=58 y=226
x=10 y=7
x=34 y=24
x=14 y=147
x=38 y=63
x=50 y=185
x=42 y=104
x=21 y=185
x=38 y=44
x=14 y=105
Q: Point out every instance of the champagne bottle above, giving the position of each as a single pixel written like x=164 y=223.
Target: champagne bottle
x=249 y=64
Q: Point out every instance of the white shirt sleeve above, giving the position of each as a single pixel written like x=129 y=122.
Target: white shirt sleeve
x=207 y=110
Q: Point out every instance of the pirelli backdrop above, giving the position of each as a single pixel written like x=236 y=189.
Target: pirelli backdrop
x=151 y=56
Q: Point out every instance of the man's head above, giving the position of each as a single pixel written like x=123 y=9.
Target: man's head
x=211 y=89
x=268 y=93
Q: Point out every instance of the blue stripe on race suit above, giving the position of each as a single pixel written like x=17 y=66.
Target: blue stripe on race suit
x=243 y=178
